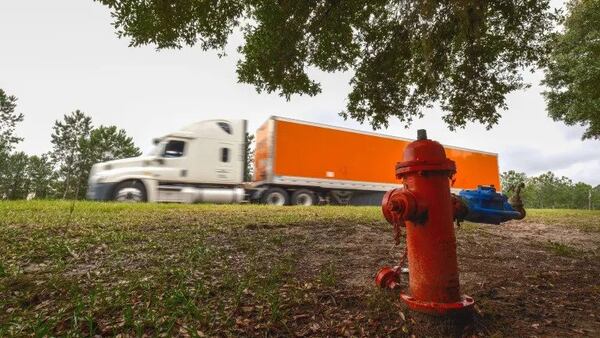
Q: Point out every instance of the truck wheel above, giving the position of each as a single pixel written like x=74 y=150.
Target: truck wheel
x=275 y=196
x=304 y=197
x=130 y=191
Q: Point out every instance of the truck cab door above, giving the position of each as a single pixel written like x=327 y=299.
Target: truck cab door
x=224 y=168
x=173 y=161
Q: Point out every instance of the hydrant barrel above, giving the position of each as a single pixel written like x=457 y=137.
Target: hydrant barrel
x=431 y=243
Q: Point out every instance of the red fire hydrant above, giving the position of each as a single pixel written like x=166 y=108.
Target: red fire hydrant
x=424 y=206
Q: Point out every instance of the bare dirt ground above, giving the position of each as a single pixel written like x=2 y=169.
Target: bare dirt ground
x=532 y=282
x=528 y=279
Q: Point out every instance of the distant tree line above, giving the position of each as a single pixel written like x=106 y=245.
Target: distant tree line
x=62 y=172
x=548 y=191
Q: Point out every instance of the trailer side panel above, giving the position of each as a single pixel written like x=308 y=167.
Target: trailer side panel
x=327 y=154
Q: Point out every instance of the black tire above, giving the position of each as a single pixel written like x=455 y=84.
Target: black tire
x=275 y=196
x=130 y=191
x=304 y=197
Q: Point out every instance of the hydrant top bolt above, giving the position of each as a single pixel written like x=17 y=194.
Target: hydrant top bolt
x=421 y=134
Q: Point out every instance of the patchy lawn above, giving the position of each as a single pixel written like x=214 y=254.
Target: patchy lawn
x=206 y=270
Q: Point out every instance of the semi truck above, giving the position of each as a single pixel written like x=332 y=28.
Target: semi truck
x=295 y=162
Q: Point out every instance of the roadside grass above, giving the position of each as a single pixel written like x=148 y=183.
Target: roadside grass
x=585 y=220
x=201 y=270
x=157 y=269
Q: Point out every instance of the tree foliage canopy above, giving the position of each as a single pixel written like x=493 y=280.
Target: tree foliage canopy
x=406 y=55
x=11 y=165
x=77 y=145
x=573 y=73
x=41 y=175
x=108 y=143
x=8 y=121
x=14 y=183
x=550 y=191
x=67 y=152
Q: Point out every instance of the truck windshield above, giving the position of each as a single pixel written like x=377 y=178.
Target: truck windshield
x=174 y=148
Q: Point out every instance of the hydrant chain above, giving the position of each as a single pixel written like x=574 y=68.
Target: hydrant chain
x=398 y=231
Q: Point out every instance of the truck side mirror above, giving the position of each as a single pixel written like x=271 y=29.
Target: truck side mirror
x=155 y=141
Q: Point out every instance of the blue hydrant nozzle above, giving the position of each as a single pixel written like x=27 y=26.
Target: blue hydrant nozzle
x=485 y=205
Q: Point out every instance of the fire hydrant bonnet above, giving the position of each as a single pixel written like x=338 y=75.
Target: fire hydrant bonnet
x=424 y=155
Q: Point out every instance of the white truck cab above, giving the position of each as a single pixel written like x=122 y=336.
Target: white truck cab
x=203 y=162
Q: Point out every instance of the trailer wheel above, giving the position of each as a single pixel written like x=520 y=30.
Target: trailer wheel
x=304 y=197
x=275 y=196
x=130 y=191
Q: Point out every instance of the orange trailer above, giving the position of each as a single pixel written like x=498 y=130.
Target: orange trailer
x=300 y=161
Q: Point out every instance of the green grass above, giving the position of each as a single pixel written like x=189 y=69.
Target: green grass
x=562 y=249
x=327 y=275
x=158 y=269
x=586 y=220
x=166 y=269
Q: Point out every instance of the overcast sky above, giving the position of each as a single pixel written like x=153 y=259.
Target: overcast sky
x=58 y=56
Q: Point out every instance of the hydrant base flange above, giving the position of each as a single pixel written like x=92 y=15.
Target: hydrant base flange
x=439 y=309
